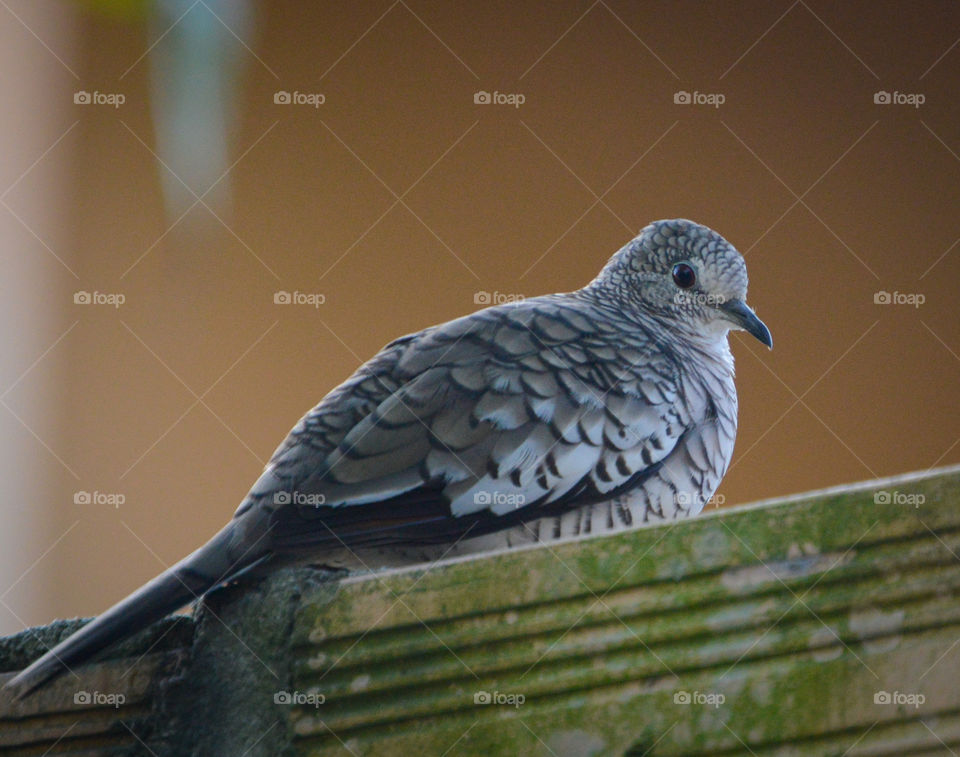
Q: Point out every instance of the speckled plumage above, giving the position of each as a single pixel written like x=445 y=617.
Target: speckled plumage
x=582 y=412
x=560 y=415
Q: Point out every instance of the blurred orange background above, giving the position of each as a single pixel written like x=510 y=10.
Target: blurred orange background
x=393 y=194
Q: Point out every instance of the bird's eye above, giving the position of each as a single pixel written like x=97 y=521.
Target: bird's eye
x=684 y=276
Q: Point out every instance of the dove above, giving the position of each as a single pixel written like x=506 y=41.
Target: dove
x=540 y=419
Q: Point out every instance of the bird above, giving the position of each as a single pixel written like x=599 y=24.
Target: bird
x=533 y=420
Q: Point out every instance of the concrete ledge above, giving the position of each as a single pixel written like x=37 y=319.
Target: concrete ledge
x=774 y=629
x=100 y=714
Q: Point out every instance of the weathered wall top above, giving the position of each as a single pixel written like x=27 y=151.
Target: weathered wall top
x=823 y=623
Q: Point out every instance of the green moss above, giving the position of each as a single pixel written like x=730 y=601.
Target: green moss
x=769 y=628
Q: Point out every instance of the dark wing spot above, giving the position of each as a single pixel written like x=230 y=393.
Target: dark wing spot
x=552 y=465
x=602 y=472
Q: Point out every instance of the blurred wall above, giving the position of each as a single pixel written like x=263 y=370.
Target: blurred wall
x=39 y=134
x=399 y=199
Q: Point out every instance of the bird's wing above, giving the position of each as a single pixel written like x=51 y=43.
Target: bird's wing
x=495 y=416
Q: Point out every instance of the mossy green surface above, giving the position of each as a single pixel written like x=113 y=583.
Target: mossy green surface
x=796 y=613
x=766 y=630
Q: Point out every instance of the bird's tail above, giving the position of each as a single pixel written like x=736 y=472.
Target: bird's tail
x=225 y=555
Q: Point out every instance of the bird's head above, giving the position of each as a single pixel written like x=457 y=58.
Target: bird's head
x=686 y=276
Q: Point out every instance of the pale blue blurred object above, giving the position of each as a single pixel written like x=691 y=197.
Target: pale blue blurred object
x=195 y=70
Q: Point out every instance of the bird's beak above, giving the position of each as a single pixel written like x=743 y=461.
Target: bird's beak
x=744 y=318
